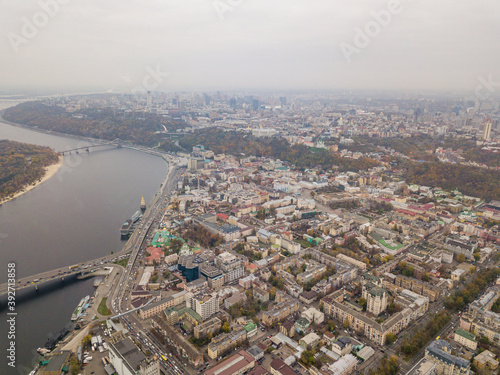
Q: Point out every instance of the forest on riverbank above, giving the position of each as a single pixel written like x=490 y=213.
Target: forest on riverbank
x=22 y=165
x=100 y=123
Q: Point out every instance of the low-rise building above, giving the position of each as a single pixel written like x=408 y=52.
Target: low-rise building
x=288 y=328
x=313 y=315
x=486 y=359
x=127 y=359
x=212 y=326
x=353 y=261
x=311 y=339
x=342 y=346
x=302 y=325
x=278 y=367
x=237 y=364
x=157 y=307
x=467 y=339
x=256 y=352
x=344 y=366
x=57 y=362
x=280 y=312
x=458 y=274
x=308 y=297
x=225 y=342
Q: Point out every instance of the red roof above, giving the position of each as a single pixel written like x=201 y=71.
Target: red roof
x=406 y=212
x=156 y=254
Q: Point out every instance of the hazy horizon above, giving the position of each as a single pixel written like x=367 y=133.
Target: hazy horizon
x=255 y=45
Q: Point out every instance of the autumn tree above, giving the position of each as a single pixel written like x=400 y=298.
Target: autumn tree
x=226 y=328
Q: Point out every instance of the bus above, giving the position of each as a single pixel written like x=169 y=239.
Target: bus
x=73 y=267
x=437 y=338
x=164 y=358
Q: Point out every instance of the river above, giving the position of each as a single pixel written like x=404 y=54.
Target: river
x=74 y=216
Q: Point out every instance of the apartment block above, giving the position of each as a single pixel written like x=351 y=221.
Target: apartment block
x=225 y=342
x=280 y=312
x=439 y=352
x=212 y=325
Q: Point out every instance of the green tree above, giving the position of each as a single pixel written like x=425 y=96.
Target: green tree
x=86 y=341
x=75 y=366
x=390 y=338
x=362 y=301
x=272 y=293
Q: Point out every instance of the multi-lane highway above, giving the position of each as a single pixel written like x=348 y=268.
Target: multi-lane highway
x=119 y=295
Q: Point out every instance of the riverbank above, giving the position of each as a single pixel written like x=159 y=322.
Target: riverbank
x=91 y=141
x=50 y=132
x=50 y=171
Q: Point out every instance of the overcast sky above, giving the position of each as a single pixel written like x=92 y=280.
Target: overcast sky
x=252 y=44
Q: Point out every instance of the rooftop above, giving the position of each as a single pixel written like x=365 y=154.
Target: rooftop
x=57 y=361
x=232 y=365
x=466 y=334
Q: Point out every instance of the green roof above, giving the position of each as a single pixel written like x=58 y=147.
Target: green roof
x=250 y=326
x=169 y=310
x=466 y=334
x=194 y=314
x=303 y=322
x=377 y=292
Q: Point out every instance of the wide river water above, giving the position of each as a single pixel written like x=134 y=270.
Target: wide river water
x=74 y=216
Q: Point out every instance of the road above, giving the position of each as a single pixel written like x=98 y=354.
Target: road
x=119 y=296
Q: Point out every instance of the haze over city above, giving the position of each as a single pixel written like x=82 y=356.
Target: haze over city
x=249 y=187
x=222 y=44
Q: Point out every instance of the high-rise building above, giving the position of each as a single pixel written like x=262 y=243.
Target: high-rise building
x=189 y=265
x=230 y=265
x=376 y=299
x=255 y=104
x=205 y=304
x=487 y=130
x=149 y=99
x=214 y=276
